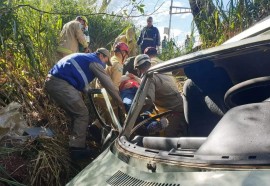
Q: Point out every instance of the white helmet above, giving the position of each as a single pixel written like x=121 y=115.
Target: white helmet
x=141 y=59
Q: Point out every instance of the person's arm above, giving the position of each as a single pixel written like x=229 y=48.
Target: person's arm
x=136 y=78
x=106 y=82
x=140 y=38
x=80 y=36
x=150 y=98
x=158 y=38
x=116 y=74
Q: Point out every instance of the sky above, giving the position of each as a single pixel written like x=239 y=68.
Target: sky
x=180 y=23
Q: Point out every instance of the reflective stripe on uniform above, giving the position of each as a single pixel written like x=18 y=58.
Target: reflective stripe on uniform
x=149 y=39
x=79 y=69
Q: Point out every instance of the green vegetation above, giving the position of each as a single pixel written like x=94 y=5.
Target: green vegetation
x=225 y=21
x=28 y=39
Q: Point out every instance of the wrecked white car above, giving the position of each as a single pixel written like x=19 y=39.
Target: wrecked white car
x=227 y=108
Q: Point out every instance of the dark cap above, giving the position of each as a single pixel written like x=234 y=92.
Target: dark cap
x=105 y=52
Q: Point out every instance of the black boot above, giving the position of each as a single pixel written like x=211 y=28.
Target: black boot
x=94 y=133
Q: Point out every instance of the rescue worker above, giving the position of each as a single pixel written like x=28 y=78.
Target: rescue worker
x=164 y=43
x=70 y=38
x=187 y=41
x=67 y=79
x=129 y=40
x=115 y=71
x=85 y=33
x=164 y=94
x=128 y=66
x=149 y=36
x=152 y=53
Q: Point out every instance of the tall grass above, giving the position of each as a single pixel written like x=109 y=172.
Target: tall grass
x=230 y=19
x=28 y=41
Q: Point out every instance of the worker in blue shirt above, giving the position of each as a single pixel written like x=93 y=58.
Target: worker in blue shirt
x=65 y=82
x=149 y=36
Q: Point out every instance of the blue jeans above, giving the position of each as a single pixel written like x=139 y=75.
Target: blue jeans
x=127 y=96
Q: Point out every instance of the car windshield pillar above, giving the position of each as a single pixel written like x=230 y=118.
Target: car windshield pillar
x=137 y=105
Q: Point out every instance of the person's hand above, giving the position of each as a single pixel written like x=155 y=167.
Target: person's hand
x=131 y=76
x=86 y=50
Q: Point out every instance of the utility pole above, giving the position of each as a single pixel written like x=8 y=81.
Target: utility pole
x=177 y=10
x=169 y=32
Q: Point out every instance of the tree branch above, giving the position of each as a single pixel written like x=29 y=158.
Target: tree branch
x=4 y=10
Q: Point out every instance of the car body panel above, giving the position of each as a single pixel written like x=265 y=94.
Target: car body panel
x=108 y=169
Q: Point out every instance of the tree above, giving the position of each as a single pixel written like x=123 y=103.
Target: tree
x=104 y=5
x=206 y=18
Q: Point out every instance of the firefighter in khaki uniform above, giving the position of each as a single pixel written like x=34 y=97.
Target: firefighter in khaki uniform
x=70 y=38
x=129 y=40
x=120 y=55
x=85 y=33
x=164 y=94
x=115 y=72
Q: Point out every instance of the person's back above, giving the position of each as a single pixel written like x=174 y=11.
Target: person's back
x=164 y=94
x=129 y=40
x=152 y=53
x=167 y=95
x=70 y=37
x=85 y=33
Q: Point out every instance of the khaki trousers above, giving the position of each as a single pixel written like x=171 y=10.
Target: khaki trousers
x=177 y=124
x=70 y=99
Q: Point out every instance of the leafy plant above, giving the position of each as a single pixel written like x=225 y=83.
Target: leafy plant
x=229 y=20
x=28 y=39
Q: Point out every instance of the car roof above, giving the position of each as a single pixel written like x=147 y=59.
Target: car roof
x=221 y=51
